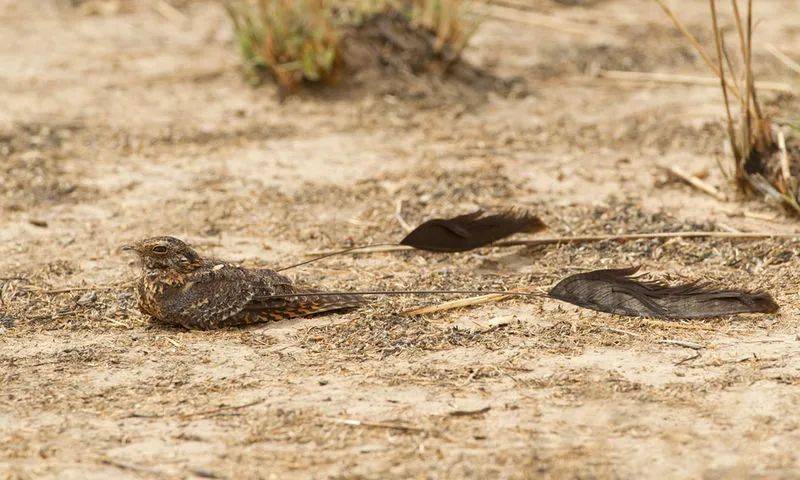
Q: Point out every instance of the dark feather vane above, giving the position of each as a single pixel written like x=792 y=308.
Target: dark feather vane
x=470 y=231
x=616 y=291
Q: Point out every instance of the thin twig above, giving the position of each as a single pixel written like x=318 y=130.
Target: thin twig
x=398 y=215
x=634 y=76
x=748 y=82
x=682 y=343
x=785 y=172
x=728 y=61
x=539 y=20
x=588 y=239
x=790 y=64
x=789 y=193
x=697 y=354
x=112 y=286
x=696 y=45
x=117 y=322
x=727 y=228
x=696 y=182
x=197 y=414
x=169 y=12
x=680 y=326
x=763 y=133
x=645 y=236
x=380 y=247
x=734 y=212
x=719 y=41
x=130 y=466
x=620 y=331
x=222 y=409
x=174 y=343
x=454 y=304
x=386 y=425
x=467 y=413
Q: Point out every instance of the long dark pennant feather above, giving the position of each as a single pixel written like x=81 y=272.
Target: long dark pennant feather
x=458 y=234
x=616 y=291
x=474 y=230
x=400 y=293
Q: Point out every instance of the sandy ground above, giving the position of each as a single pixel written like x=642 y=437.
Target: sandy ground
x=128 y=124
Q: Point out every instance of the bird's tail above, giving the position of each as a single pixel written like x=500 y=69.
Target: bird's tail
x=283 y=308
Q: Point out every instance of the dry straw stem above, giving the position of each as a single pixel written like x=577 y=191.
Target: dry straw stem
x=398 y=215
x=200 y=413
x=385 y=425
x=693 y=40
x=676 y=325
x=169 y=12
x=540 y=20
x=455 y=304
x=659 y=77
x=87 y=288
x=696 y=183
x=718 y=41
x=131 y=467
x=790 y=64
x=744 y=213
x=785 y=172
x=682 y=343
x=585 y=239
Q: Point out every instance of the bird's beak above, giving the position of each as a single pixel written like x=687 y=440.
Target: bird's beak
x=127 y=248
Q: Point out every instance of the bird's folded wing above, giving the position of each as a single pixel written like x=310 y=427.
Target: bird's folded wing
x=212 y=297
x=268 y=282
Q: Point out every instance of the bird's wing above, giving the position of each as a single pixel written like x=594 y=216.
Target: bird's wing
x=264 y=307
x=210 y=297
x=268 y=282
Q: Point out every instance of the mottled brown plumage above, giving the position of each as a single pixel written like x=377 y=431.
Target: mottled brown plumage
x=180 y=287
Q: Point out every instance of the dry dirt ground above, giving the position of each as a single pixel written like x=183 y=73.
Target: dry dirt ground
x=120 y=123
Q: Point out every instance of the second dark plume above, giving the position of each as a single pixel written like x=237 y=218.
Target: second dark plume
x=617 y=291
x=470 y=231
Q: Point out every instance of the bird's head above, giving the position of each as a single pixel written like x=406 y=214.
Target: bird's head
x=164 y=253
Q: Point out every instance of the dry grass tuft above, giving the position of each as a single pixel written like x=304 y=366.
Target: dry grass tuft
x=760 y=155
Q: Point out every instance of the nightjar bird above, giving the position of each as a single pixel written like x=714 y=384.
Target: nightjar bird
x=180 y=287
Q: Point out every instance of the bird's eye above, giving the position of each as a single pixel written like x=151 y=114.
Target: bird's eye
x=159 y=249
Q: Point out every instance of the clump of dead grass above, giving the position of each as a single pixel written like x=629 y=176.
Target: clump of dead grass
x=761 y=158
